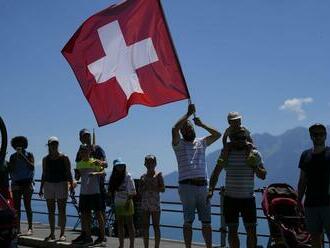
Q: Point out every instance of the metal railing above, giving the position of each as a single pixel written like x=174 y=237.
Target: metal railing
x=221 y=231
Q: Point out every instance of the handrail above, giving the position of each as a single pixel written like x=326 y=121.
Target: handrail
x=221 y=230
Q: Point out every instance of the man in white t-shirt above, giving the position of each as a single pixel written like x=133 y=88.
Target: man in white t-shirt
x=193 y=178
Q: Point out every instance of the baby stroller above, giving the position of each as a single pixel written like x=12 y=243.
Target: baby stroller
x=285 y=217
x=8 y=223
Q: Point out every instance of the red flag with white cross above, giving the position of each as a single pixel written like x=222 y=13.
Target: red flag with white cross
x=124 y=55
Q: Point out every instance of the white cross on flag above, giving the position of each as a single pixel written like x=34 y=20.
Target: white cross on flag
x=124 y=55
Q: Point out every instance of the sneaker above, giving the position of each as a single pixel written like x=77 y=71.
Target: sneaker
x=50 y=238
x=79 y=239
x=29 y=232
x=100 y=242
x=62 y=238
x=87 y=241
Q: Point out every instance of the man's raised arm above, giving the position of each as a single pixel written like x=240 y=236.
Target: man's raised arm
x=179 y=124
x=215 y=134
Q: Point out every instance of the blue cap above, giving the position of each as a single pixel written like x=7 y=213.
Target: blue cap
x=118 y=161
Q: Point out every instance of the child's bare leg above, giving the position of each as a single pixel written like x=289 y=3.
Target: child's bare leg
x=131 y=231
x=146 y=225
x=155 y=222
x=121 y=223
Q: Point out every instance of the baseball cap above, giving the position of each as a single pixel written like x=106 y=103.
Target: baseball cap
x=52 y=139
x=83 y=132
x=233 y=116
x=118 y=161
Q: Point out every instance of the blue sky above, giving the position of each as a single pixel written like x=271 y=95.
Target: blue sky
x=269 y=60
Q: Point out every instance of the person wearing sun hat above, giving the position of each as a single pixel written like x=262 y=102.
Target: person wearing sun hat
x=56 y=174
x=235 y=123
x=122 y=189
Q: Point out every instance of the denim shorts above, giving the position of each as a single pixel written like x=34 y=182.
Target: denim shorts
x=192 y=198
x=318 y=219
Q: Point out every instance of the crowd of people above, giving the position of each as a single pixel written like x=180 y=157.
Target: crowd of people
x=239 y=158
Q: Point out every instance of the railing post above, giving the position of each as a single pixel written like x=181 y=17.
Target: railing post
x=223 y=230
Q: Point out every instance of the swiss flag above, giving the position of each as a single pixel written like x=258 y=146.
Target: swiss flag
x=124 y=55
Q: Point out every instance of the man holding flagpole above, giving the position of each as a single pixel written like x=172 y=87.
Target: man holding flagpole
x=193 y=178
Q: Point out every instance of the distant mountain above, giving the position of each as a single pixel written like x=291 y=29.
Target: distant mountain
x=281 y=156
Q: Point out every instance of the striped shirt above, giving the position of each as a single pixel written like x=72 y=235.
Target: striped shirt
x=191 y=158
x=239 y=176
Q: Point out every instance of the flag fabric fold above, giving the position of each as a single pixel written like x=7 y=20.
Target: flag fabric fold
x=124 y=55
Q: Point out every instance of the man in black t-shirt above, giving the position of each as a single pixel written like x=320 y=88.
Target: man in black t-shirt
x=314 y=184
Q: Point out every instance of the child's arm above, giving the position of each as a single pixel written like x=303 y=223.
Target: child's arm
x=131 y=191
x=224 y=138
x=42 y=177
x=97 y=173
x=216 y=172
x=142 y=186
x=161 y=184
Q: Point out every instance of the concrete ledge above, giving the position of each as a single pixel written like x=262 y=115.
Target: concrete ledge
x=40 y=231
x=38 y=242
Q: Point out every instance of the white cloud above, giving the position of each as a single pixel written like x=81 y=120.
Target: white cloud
x=295 y=105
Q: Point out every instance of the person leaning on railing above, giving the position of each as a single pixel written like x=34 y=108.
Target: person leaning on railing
x=242 y=162
x=190 y=154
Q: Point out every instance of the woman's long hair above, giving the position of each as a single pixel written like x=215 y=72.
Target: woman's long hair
x=116 y=179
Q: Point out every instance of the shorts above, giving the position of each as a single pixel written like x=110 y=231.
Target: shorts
x=121 y=209
x=195 y=197
x=150 y=201
x=90 y=202
x=233 y=207
x=317 y=219
x=55 y=190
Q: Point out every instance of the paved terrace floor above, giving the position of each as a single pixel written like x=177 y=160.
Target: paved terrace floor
x=41 y=231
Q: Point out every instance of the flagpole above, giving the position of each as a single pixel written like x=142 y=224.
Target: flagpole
x=94 y=138
x=175 y=52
